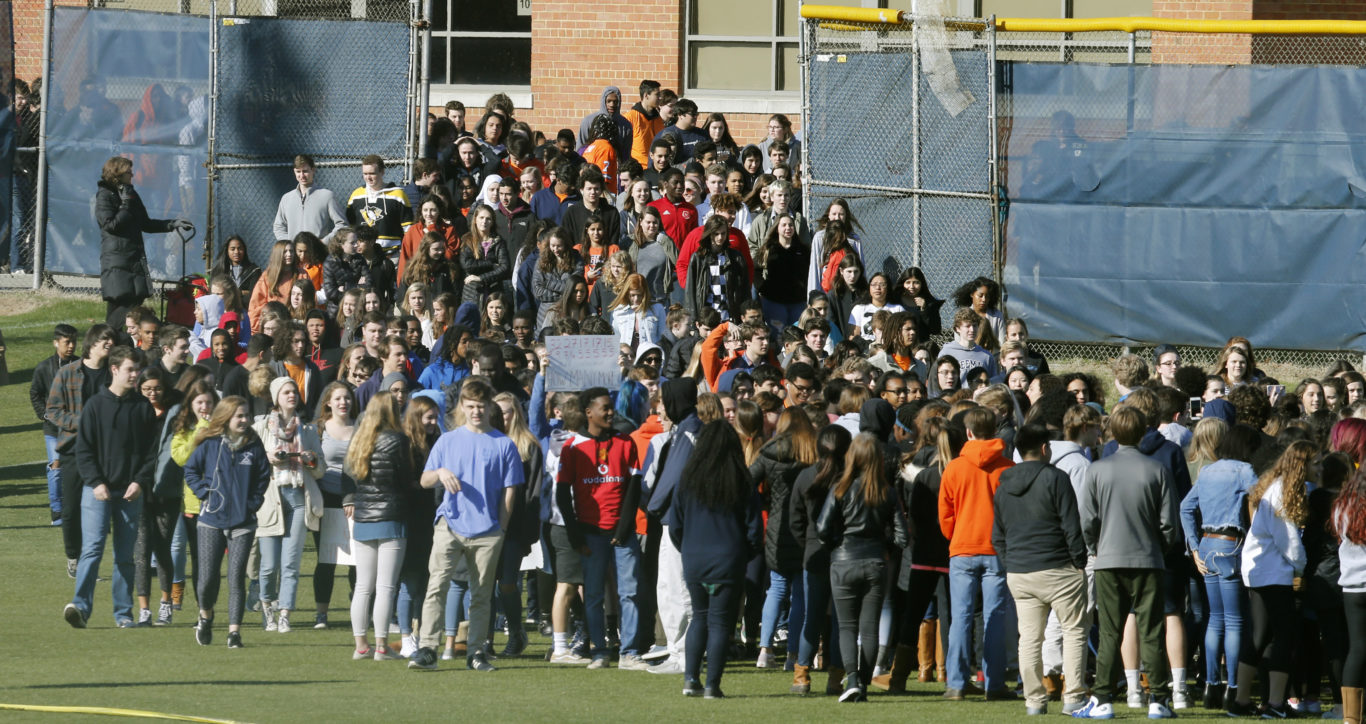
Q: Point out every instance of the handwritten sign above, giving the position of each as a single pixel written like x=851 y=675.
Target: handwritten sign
x=579 y=361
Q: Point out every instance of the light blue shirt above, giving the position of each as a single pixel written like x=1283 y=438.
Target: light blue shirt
x=485 y=464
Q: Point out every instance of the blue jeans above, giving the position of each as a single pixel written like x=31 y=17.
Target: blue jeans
x=1227 y=601
x=21 y=217
x=969 y=575
x=97 y=517
x=180 y=543
x=817 y=589
x=281 y=555
x=781 y=315
x=412 y=588
x=627 y=561
x=457 y=605
x=54 y=476
x=779 y=587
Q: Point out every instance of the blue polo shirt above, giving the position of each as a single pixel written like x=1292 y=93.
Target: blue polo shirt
x=485 y=464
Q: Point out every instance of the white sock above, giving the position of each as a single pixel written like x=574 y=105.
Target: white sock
x=1131 y=676
x=561 y=642
x=1178 y=679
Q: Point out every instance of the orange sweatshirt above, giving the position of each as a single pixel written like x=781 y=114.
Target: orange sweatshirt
x=966 y=491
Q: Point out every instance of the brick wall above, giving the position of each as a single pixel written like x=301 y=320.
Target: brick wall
x=1213 y=49
x=28 y=36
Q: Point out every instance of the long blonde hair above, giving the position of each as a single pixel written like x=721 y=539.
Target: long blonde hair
x=1292 y=469
x=864 y=463
x=517 y=428
x=381 y=416
x=218 y=421
x=1209 y=433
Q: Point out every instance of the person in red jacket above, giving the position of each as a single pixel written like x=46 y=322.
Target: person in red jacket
x=966 y=494
x=679 y=216
x=725 y=205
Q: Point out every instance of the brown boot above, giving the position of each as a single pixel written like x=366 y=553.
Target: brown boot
x=926 y=650
x=939 y=652
x=801 y=679
x=1351 y=705
x=177 y=595
x=895 y=681
x=834 y=684
x=1052 y=685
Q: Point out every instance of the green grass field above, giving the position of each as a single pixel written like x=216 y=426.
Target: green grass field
x=308 y=675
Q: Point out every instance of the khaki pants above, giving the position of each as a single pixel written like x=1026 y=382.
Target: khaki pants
x=1062 y=591
x=481 y=557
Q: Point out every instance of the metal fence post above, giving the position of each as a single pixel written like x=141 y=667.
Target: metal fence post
x=915 y=145
x=410 y=150
x=209 y=163
x=40 y=200
x=993 y=165
x=805 y=44
x=425 y=92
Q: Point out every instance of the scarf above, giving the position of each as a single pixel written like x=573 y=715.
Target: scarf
x=286 y=436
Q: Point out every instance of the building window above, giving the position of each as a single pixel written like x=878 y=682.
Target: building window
x=480 y=43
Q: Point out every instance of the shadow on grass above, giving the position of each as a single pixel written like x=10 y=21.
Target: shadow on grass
x=30 y=427
x=23 y=472
x=122 y=684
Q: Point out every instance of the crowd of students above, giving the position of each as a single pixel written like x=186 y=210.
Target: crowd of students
x=793 y=465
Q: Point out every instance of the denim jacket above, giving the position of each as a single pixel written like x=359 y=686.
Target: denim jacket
x=1225 y=484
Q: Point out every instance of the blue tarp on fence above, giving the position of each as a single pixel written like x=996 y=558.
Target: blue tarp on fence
x=1186 y=204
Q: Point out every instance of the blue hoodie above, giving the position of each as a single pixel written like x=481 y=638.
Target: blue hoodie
x=231 y=483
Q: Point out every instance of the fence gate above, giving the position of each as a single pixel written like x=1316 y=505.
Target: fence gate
x=898 y=118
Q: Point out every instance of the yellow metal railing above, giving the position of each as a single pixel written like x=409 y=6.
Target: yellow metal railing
x=876 y=16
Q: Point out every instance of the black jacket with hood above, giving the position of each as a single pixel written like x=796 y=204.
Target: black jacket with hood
x=680 y=404
x=777 y=469
x=1037 y=526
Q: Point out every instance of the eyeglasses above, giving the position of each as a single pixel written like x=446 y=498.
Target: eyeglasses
x=804 y=389
x=1169 y=363
x=899 y=392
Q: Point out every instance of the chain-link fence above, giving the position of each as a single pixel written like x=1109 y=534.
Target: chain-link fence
x=1083 y=120
x=898 y=122
x=212 y=102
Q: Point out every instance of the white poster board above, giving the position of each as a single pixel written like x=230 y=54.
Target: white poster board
x=578 y=362
x=334 y=543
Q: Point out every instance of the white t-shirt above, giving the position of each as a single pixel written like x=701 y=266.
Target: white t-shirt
x=862 y=315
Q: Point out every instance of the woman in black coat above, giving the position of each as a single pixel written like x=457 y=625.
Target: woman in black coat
x=125 y=280
x=714 y=252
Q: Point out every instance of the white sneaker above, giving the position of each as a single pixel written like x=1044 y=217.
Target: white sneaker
x=600 y=662
x=1095 y=710
x=448 y=654
x=656 y=653
x=409 y=647
x=282 y=623
x=268 y=613
x=144 y=617
x=631 y=662
x=1137 y=700
x=1180 y=699
x=1158 y=710
x=670 y=665
x=569 y=657
x=766 y=660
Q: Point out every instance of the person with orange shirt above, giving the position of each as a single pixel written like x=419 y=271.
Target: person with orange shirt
x=431 y=218
x=966 y=495
x=595 y=249
x=753 y=351
x=600 y=152
x=646 y=122
x=276 y=282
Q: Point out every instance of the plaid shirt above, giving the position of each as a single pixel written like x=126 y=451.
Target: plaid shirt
x=64 y=403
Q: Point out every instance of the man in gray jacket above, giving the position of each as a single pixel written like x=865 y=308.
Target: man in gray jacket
x=1129 y=520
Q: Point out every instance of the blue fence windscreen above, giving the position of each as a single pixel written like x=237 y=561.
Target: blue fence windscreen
x=1187 y=204
x=135 y=84
x=336 y=90
x=8 y=133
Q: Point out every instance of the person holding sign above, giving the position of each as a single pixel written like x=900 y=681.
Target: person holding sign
x=598 y=491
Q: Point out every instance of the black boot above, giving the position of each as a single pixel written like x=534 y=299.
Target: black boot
x=1214 y=696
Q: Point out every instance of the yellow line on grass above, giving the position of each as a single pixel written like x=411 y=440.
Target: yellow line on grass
x=106 y=711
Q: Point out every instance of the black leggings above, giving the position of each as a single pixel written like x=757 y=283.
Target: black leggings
x=856 y=587
x=714 y=610
x=325 y=574
x=919 y=593
x=212 y=541
x=1273 y=628
x=1354 y=669
x=156 y=528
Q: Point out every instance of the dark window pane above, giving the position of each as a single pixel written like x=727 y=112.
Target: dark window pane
x=440 y=16
x=495 y=16
x=491 y=61
x=440 y=73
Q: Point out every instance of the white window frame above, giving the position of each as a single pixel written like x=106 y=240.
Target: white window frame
x=474 y=95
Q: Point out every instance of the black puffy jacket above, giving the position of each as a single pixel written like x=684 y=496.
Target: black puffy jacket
x=777 y=469
x=858 y=531
x=124 y=277
x=341 y=273
x=380 y=495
